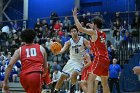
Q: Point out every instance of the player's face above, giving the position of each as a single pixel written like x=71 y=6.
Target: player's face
x=74 y=32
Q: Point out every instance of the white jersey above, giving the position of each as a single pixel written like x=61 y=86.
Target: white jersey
x=77 y=49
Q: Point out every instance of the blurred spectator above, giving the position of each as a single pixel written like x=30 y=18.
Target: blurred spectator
x=136 y=21
x=117 y=40
x=118 y=18
x=57 y=26
x=55 y=64
x=45 y=24
x=111 y=50
x=84 y=19
x=64 y=38
x=60 y=32
x=47 y=45
x=16 y=39
x=13 y=47
x=2 y=69
x=15 y=27
x=37 y=25
x=66 y=23
x=6 y=29
x=136 y=25
x=54 y=17
x=56 y=76
x=114 y=75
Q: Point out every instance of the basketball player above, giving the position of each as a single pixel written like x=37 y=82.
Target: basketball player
x=76 y=46
x=46 y=80
x=100 y=64
x=83 y=83
x=87 y=62
x=33 y=60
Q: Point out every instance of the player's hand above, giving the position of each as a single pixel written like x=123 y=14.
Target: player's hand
x=5 y=87
x=136 y=70
x=74 y=12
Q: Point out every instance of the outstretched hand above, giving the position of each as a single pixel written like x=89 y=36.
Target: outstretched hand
x=74 y=12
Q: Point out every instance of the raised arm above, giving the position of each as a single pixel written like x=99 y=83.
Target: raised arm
x=79 y=26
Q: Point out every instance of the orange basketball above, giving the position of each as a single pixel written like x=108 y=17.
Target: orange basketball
x=55 y=47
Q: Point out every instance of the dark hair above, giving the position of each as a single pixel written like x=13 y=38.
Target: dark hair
x=73 y=27
x=28 y=35
x=97 y=21
x=108 y=43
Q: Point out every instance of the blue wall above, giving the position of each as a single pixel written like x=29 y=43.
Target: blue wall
x=43 y=8
x=109 y=5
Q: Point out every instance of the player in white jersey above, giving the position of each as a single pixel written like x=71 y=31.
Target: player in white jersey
x=76 y=46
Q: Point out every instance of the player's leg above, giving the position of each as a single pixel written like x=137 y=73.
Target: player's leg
x=73 y=79
x=97 y=80
x=48 y=82
x=96 y=85
x=60 y=82
x=90 y=83
x=104 y=81
x=83 y=85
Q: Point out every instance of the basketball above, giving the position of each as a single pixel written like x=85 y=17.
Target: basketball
x=55 y=47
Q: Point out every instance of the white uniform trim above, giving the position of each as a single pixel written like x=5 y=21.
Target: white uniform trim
x=42 y=50
x=20 y=52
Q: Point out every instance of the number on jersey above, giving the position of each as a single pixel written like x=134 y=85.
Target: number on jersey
x=76 y=50
x=31 y=52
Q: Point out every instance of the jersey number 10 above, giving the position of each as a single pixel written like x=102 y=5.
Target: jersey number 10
x=31 y=52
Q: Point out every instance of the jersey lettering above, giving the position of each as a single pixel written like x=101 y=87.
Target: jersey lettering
x=31 y=52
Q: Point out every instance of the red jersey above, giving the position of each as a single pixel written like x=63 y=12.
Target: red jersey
x=99 y=46
x=31 y=58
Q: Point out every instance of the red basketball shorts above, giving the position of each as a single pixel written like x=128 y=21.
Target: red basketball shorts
x=99 y=66
x=84 y=73
x=31 y=82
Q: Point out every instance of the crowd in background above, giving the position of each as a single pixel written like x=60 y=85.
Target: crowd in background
x=58 y=30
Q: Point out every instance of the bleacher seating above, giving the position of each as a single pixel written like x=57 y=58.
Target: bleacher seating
x=129 y=82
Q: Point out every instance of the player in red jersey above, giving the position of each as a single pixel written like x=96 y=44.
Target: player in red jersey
x=33 y=59
x=87 y=62
x=100 y=64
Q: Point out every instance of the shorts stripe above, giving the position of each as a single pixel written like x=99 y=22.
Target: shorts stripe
x=66 y=73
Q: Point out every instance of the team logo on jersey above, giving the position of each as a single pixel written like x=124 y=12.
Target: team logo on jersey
x=76 y=48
